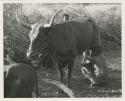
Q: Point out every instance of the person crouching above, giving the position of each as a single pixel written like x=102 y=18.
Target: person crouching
x=94 y=68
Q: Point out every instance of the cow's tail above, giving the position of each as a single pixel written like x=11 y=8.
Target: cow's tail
x=64 y=88
x=96 y=27
x=96 y=32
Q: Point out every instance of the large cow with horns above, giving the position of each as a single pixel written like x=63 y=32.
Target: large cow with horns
x=62 y=41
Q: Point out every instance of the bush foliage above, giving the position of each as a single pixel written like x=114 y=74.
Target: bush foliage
x=107 y=17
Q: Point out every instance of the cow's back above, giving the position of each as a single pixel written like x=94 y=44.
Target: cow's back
x=72 y=35
x=22 y=70
x=19 y=80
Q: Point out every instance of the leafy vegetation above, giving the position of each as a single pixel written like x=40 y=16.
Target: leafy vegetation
x=107 y=17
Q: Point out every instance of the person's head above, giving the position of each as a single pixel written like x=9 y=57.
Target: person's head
x=86 y=57
x=65 y=17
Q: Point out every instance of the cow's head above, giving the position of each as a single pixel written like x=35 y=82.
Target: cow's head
x=38 y=35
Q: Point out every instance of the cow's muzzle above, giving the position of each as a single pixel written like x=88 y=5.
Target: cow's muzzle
x=32 y=55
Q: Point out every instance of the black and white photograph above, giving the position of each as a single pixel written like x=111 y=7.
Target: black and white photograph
x=62 y=50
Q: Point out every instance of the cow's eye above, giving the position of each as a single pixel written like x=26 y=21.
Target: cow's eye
x=40 y=29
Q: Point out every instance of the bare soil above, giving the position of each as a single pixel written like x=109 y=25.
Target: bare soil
x=80 y=85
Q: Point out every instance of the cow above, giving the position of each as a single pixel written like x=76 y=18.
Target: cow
x=64 y=41
x=19 y=81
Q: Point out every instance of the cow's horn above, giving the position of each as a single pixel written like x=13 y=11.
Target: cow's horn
x=52 y=20
x=22 y=23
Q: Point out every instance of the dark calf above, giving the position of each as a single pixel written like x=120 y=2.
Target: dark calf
x=19 y=81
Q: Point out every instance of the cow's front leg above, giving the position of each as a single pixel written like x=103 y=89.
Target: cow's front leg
x=69 y=72
x=60 y=67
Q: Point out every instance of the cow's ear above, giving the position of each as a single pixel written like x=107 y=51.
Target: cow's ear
x=41 y=29
x=46 y=30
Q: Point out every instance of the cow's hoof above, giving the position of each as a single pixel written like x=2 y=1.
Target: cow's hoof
x=92 y=85
x=60 y=93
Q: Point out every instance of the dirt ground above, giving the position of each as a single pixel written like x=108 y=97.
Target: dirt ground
x=80 y=85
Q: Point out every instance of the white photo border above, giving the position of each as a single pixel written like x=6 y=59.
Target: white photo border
x=62 y=1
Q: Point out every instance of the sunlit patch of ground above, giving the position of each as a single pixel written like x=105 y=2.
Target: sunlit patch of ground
x=80 y=85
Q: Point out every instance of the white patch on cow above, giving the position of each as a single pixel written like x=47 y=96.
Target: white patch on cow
x=33 y=34
x=35 y=30
x=29 y=50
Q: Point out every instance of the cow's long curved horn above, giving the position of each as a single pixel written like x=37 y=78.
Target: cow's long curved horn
x=52 y=20
x=22 y=23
